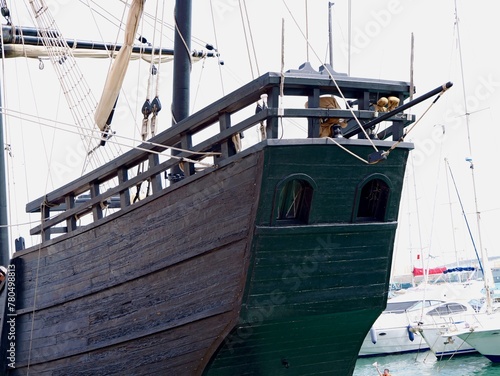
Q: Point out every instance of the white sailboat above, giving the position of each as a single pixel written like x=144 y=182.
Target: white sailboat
x=482 y=330
x=484 y=335
x=465 y=332
x=439 y=326
x=394 y=331
x=462 y=330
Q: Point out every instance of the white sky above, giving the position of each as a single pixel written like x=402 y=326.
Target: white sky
x=380 y=48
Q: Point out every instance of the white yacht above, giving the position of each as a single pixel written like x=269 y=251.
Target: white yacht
x=440 y=325
x=393 y=332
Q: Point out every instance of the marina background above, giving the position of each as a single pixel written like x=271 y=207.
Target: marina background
x=426 y=364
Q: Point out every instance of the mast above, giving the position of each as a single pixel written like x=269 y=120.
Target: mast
x=330 y=31
x=487 y=274
x=182 y=68
x=4 y=220
x=182 y=61
x=4 y=233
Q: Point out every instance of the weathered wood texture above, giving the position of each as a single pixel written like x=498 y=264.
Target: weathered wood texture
x=155 y=289
x=198 y=280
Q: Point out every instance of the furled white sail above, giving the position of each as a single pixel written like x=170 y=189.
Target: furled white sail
x=40 y=52
x=119 y=68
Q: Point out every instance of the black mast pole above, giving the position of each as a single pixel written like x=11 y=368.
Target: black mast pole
x=182 y=69
x=4 y=232
x=182 y=61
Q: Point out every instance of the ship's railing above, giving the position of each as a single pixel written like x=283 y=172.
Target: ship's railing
x=111 y=187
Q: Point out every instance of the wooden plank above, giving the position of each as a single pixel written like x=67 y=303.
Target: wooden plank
x=178 y=353
x=153 y=234
x=160 y=301
x=100 y=299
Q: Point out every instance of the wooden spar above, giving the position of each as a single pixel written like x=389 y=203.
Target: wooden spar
x=28 y=36
x=399 y=109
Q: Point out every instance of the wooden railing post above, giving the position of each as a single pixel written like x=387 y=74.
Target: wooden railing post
x=46 y=232
x=187 y=144
x=154 y=160
x=122 y=174
x=273 y=101
x=96 y=209
x=227 y=146
x=70 y=204
x=398 y=128
x=313 y=123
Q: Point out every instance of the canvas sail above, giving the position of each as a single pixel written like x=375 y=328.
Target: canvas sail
x=119 y=68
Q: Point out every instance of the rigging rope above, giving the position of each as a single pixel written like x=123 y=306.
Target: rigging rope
x=217 y=44
x=11 y=178
x=33 y=311
x=332 y=78
x=246 y=39
x=251 y=38
x=75 y=88
x=147 y=108
x=156 y=105
x=177 y=30
x=39 y=120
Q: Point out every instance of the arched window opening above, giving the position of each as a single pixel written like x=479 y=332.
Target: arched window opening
x=373 y=201
x=294 y=202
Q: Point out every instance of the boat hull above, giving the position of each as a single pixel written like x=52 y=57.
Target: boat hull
x=485 y=341
x=393 y=340
x=201 y=280
x=445 y=346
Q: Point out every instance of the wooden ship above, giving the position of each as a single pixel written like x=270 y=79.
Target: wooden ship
x=275 y=260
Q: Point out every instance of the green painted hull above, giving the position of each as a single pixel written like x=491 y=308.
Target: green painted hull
x=313 y=291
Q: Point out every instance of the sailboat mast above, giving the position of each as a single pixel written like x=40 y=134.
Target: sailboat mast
x=487 y=274
x=330 y=31
x=182 y=61
x=4 y=232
